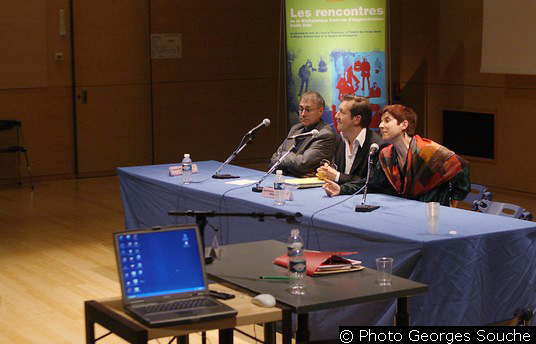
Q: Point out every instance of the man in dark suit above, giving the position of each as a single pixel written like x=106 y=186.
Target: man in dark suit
x=353 y=143
x=303 y=160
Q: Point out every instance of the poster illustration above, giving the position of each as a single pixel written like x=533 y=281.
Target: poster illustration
x=336 y=48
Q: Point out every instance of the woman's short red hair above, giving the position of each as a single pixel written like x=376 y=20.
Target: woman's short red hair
x=402 y=113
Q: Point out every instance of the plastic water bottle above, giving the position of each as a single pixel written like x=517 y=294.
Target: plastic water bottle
x=186 y=169
x=279 y=190
x=297 y=264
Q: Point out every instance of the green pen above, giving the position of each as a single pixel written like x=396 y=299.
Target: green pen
x=282 y=278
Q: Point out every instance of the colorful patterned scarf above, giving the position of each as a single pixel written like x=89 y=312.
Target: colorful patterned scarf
x=428 y=165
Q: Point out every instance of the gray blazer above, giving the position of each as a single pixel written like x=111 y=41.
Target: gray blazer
x=306 y=158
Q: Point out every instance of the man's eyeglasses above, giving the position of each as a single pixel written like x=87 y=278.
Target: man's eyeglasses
x=302 y=109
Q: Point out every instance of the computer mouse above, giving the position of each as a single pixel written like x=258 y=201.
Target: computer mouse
x=264 y=300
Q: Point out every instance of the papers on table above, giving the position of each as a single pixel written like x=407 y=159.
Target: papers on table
x=301 y=183
x=352 y=265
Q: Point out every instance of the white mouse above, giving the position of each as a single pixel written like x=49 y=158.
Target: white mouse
x=264 y=300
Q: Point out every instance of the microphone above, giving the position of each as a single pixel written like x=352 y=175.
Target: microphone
x=265 y=123
x=250 y=137
x=365 y=208
x=313 y=133
x=373 y=149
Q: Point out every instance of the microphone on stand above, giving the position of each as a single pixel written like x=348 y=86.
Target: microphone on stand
x=251 y=136
x=265 y=122
x=313 y=133
x=373 y=149
x=258 y=187
x=364 y=208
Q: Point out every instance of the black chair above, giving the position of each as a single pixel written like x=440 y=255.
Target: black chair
x=20 y=147
x=522 y=317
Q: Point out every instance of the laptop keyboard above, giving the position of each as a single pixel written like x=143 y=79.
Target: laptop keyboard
x=176 y=306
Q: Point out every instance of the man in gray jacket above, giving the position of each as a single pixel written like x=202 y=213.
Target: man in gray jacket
x=309 y=151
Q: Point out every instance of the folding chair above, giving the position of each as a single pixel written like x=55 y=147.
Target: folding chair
x=502 y=209
x=18 y=148
x=477 y=193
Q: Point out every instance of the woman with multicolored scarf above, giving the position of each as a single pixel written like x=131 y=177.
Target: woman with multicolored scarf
x=410 y=166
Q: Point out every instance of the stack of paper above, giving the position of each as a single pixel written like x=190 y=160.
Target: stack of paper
x=302 y=183
x=352 y=265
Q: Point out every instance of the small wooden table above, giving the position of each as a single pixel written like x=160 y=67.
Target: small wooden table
x=110 y=314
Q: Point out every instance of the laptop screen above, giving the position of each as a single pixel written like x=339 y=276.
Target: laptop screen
x=159 y=262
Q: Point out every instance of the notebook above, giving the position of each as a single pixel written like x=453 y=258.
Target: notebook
x=163 y=279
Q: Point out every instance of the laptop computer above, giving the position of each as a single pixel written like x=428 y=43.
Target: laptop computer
x=163 y=279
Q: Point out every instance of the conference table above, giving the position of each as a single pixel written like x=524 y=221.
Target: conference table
x=480 y=268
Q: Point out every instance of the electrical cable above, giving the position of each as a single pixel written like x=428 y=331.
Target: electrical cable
x=311 y=221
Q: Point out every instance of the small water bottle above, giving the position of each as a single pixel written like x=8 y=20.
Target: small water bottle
x=186 y=169
x=297 y=264
x=279 y=190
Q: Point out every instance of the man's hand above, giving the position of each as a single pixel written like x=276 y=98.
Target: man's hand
x=331 y=188
x=326 y=172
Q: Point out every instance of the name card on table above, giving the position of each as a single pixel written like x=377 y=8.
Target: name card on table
x=177 y=170
x=268 y=192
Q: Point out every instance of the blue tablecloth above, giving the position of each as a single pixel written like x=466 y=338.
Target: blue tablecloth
x=479 y=275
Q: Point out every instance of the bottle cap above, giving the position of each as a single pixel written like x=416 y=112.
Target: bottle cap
x=186 y=155
x=279 y=172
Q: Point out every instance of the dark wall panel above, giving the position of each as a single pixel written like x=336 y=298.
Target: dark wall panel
x=225 y=83
x=208 y=118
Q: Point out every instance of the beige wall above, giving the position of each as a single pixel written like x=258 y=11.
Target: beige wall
x=226 y=82
x=436 y=60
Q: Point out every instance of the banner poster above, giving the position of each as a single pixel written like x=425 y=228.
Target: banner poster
x=336 y=47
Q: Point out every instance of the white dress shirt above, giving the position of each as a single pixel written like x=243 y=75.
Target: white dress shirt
x=350 y=156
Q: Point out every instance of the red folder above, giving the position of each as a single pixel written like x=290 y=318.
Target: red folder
x=321 y=263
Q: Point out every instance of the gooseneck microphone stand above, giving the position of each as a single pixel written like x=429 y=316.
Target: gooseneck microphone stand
x=364 y=208
x=250 y=138
x=257 y=187
x=201 y=220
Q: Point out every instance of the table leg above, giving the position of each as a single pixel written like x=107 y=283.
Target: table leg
x=302 y=330
x=183 y=339
x=269 y=333
x=226 y=336
x=287 y=326
x=96 y=313
x=402 y=315
x=90 y=331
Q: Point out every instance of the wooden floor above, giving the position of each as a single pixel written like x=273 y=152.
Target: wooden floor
x=56 y=252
